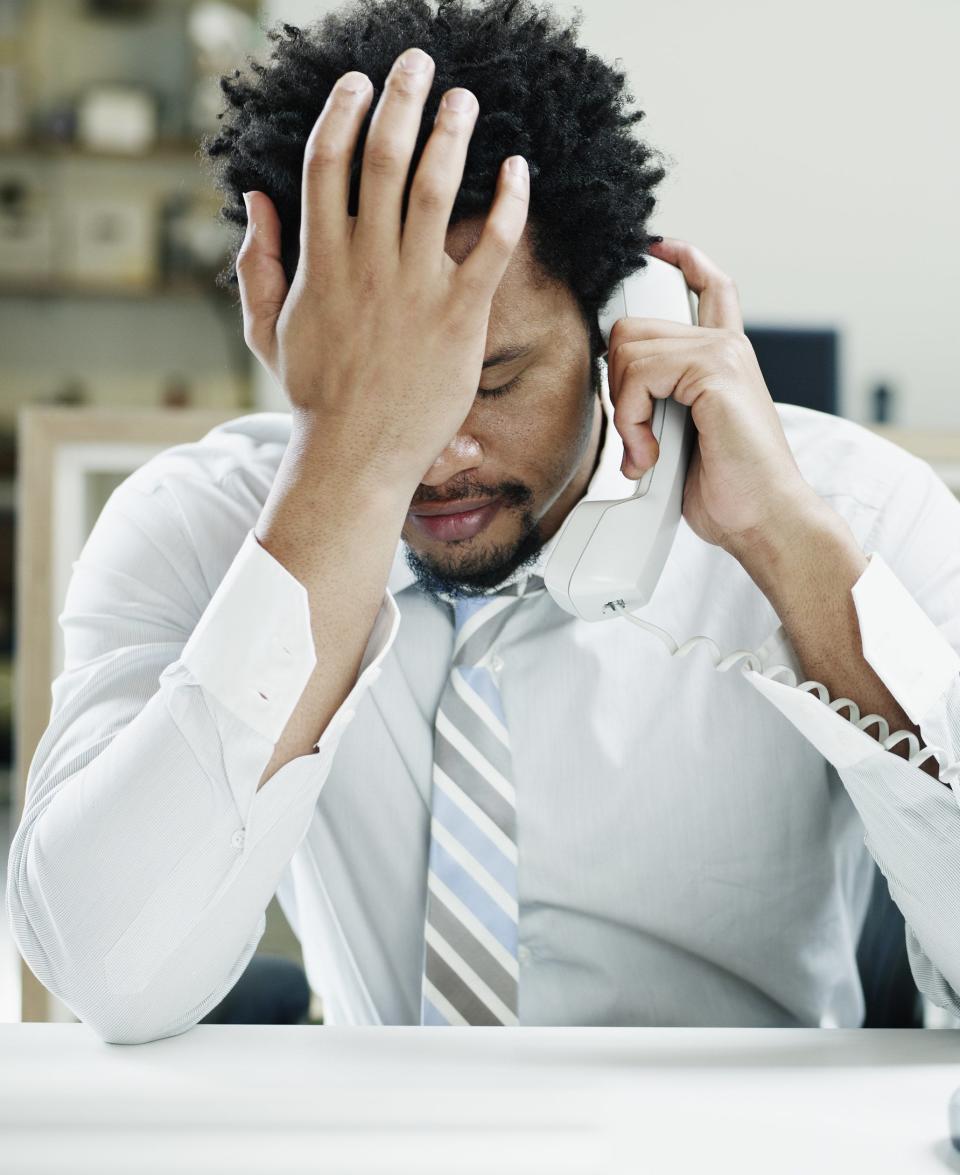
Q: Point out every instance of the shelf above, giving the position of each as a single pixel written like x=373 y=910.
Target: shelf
x=186 y=149
x=175 y=288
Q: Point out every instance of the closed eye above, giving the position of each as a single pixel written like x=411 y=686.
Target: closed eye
x=492 y=392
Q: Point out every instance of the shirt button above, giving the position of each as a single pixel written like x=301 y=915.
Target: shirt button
x=523 y=953
x=238 y=839
x=496 y=662
x=375 y=673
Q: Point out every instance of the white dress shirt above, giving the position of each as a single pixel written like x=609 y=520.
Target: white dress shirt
x=695 y=848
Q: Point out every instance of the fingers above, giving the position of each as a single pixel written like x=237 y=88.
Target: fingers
x=632 y=414
x=437 y=181
x=387 y=153
x=655 y=337
x=478 y=276
x=325 y=186
x=260 y=276
x=717 y=301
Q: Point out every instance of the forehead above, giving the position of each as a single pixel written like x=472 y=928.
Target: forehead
x=526 y=296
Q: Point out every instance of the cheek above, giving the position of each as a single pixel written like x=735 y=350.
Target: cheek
x=546 y=450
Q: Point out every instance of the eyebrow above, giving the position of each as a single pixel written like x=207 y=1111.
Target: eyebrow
x=507 y=355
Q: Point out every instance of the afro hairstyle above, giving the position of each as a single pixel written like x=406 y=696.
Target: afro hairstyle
x=540 y=95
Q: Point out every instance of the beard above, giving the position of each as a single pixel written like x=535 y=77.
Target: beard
x=481 y=573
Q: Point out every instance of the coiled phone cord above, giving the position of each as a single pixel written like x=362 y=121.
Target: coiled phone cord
x=918 y=753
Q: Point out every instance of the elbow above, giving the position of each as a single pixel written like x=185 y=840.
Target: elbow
x=133 y=1031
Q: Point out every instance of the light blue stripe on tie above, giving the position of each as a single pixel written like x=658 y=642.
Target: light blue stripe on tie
x=474 y=840
x=465 y=607
x=474 y=897
x=479 y=679
x=430 y=1015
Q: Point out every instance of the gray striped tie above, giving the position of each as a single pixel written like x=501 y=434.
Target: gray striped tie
x=470 y=972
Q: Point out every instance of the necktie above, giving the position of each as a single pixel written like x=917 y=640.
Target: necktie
x=470 y=971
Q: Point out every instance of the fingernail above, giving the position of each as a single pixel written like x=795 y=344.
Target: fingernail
x=414 y=61
x=518 y=165
x=354 y=82
x=459 y=100
x=246 y=201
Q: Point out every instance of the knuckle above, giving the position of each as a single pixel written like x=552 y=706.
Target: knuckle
x=447 y=127
x=406 y=87
x=322 y=153
x=382 y=158
x=470 y=293
x=246 y=262
x=731 y=349
x=461 y=315
x=472 y=284
x=634 y=367
x=515 y=193
x=367 y=280
x=250 y=335
x=429 y=195
x=499 y=242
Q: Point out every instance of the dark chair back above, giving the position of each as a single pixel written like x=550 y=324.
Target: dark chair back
x=272 y=990
x=891 y=996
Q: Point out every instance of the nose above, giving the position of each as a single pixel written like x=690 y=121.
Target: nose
x=461 y=454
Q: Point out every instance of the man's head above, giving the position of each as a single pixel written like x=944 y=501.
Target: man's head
x=541 y=96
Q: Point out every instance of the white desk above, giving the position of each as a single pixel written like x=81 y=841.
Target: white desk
x=250 y=1098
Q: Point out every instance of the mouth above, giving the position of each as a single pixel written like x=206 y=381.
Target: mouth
x=453 y=520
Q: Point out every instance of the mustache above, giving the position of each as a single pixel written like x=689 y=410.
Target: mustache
x=512 y=494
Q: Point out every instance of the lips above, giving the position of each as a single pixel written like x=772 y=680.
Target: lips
x=432 y=509
x=450 y=520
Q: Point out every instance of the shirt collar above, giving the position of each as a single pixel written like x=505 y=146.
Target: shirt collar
x=606 y=483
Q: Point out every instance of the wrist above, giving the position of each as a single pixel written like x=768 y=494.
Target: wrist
x=321 y=500
x=316 y=461
x=802 y=539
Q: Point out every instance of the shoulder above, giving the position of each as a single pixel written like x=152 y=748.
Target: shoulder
x=250 y=445
x=192 y=504
x=894 y=502
x=845 y=460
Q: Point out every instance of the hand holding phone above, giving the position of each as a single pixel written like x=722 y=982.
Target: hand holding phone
x=609 y=554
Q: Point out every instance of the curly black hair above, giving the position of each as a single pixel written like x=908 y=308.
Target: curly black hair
x=540 y=95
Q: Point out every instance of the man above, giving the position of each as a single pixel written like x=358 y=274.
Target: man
x=473 y=807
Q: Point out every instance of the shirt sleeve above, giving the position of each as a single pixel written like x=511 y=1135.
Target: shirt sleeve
x=145 y=857
x=908 y=615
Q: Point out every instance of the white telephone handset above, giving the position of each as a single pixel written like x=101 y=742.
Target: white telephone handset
x=609 y=554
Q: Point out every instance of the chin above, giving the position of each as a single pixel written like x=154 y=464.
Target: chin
x=473 y=566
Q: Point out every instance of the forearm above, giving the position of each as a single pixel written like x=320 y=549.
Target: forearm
x=807 y=572
x=336 y=531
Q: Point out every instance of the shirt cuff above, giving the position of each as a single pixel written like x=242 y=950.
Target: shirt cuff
x=901 y=643
x=253 y=649
x=907 y=652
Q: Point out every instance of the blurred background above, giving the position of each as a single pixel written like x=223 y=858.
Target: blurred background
x=813 y=157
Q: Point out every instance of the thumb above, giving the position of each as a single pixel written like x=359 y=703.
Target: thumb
x=260 y=276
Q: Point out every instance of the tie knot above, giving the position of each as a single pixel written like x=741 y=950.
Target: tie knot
x=467 y=606
x=479 y=619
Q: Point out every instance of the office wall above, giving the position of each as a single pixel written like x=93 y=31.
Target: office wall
x=814 y=158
